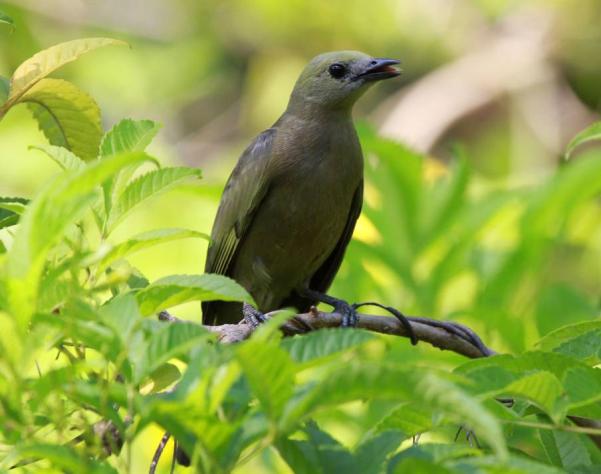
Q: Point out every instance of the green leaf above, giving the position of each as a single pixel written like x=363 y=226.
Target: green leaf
x=145 y=240
x=65 y=458
x=373 y=452
x=493 y=465
x=13 y=206
x=323 y=343
x=367 y=380
x=43 y=225
x=146 y=186
x=300 y=455
x=68 y=116
x=10 y=210
x=571 y=449
x=579 y=340
x=5 y=19
x=169 y=342
x=592 y=132
x=49 y=60
x=176 y=289
x=164 y=376
x=128 y=135
x=270 y=373
x=542 y=388
x=409 y=418
x=4 y=89
x=64 y=158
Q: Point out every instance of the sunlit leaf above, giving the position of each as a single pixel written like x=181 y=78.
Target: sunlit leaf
x=63 y=157
x=146 y=240
x=10 y=210
x=128 y=135
x=45 y=62
x=592 y=132
x=177 y=289
x=58 y=205
x=146 y=186
x=323 y=343
x=68 y=116
x=263 y=361
x=170 y=341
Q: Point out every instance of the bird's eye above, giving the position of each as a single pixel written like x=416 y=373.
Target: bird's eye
x=337 y=70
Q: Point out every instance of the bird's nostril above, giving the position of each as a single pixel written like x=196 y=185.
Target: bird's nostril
x=374 y=62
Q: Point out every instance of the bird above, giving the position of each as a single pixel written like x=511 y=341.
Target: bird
x=290 y=205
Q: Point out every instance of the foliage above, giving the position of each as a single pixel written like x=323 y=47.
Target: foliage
x=66 y=288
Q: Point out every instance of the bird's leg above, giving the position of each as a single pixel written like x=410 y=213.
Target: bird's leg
x=346 y=310
x=252 y=316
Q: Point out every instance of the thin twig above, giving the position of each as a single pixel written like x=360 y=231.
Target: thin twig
x=158 y=452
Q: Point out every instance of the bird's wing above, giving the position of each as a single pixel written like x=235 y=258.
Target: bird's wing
x=323 y=277
x=245 y=189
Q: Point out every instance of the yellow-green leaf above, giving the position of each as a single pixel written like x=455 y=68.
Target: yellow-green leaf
x=68 y=116
x=49 y=60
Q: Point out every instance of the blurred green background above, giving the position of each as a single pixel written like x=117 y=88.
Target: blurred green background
x=481 y=222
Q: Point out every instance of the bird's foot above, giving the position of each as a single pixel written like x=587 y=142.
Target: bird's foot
x=456 y=329
x=470 y=436
x=348 y=313
x=346 y=310
x=252 y=316
x=404 y=320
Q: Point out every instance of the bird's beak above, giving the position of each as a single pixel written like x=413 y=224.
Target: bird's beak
x=378 y=69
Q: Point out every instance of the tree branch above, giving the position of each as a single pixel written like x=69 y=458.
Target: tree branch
x=436 y=333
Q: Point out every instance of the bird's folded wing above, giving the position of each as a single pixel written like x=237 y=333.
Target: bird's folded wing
x=245 y=189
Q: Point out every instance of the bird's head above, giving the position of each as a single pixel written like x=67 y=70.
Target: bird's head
x=336 y=80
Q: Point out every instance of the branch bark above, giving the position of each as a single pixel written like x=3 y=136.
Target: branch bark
x=423 y=328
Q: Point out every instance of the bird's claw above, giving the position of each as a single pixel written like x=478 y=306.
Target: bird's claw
x=348 y=313
x=252 y=316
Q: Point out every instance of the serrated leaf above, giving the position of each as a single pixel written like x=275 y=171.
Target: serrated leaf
x=63 y=157
x=177 y=289
x=145 y=240
x=323 y=343
x=367 y=380
x=542 y=388
x=592 y=132
x=563 y=334
x=66 y=115
x=571 y=449
x=49 y=60
x=261 y=362
x=581 y=341
x=146 y=186
x=128 y=135
x=57 y=206
x=169 y=342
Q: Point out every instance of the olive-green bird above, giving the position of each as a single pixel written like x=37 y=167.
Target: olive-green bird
x=290 y=206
